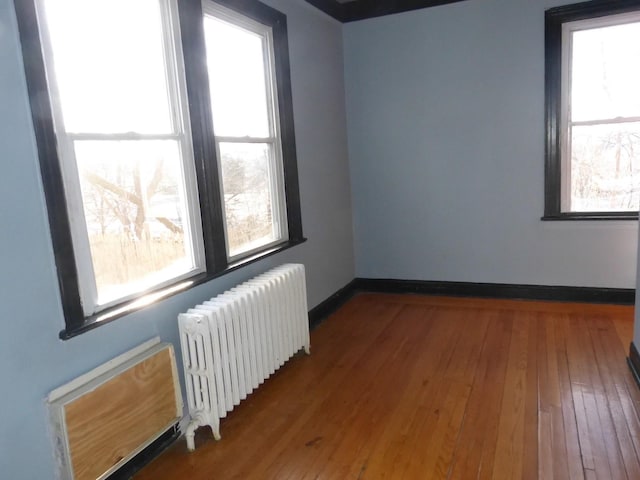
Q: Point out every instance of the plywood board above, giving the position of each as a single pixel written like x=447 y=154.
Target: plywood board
x=121 y=415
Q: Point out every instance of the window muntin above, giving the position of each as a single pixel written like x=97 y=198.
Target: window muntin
x=242 y=84
x=601 y=115
x=123 y=144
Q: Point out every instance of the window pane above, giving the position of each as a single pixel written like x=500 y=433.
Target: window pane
x=235 y=58
x=606 y=72
x=110 y=65
x=250 y=199
x=135 y=208
x=605 y=168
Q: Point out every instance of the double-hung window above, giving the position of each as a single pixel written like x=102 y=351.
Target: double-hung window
x=246 y=127
x=593 y=111
x=118 y=103
x=165 y=137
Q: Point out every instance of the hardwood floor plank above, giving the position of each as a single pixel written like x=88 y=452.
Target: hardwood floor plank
x=530 y=439
x=592 y=419
x=605 y=403
x=510 y=444
x=569 y=418
x=577 y=379
x=604 y=334
x=475 y=448
x=418 y=387
x=553 y=454
x=624 y=329
x=545 y=446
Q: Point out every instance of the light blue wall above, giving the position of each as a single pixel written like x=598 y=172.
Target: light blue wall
x=32 y=358
x=445 y=111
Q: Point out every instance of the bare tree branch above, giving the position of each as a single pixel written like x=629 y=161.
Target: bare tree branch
x=112 y=187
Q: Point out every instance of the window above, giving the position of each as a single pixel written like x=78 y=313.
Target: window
x=593 y=111
x=245 y=122
x=125 y=152
x=158 y=173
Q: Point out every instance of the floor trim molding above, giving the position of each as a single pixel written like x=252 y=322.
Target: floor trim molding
x=321 y=311
x=618 y=296
x=621 y=296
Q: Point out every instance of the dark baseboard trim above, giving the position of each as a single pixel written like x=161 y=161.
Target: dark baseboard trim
x=621 y=296
x=137 y=463
x=321 y=311
x=634 y=362
x=617 y=296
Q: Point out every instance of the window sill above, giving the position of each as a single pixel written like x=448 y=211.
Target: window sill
x=579 y=216
x=150 y=298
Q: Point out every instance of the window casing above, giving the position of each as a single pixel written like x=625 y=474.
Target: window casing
x=193 y=191
x=581 y=181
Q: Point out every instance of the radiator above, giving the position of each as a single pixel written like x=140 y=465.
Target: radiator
x=233 y=342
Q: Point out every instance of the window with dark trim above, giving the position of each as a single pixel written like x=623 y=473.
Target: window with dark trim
x=592 y=109
x=166 y=144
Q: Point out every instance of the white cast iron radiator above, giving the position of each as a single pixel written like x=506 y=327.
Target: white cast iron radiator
x=233 y=342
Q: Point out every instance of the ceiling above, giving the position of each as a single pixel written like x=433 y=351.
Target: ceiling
x=352 y=10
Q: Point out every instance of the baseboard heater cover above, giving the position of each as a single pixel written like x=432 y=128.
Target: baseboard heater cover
x=233 y=342
x=104 y=418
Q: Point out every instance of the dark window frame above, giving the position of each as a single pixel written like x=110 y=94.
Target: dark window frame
x=206 y=163
x=554 y=20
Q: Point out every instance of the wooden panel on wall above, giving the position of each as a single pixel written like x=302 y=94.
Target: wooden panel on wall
x=111 y=418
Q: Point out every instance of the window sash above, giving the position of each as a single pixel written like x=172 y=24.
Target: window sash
x=276 y=190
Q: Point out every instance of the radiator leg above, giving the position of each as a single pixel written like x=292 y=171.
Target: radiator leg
x=307 y=349
x=216 y=431
x=190 y=434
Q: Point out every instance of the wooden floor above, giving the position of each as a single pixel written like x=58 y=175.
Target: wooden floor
x=404 y=386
